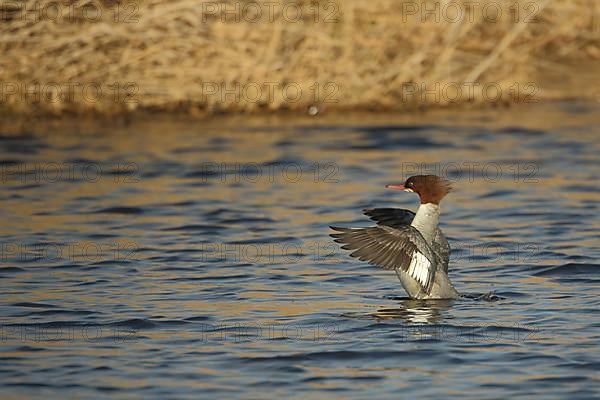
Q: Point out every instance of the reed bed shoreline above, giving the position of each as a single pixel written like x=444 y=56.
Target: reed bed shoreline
x=541 y=115
x=113 y=58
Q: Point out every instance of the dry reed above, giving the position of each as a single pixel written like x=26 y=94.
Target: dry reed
x=210 y=57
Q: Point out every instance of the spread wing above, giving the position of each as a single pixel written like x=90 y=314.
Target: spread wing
x=398 y=217
x=391 y=248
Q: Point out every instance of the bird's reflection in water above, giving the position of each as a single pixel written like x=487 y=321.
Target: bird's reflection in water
x=427 y=311
x=416 y=311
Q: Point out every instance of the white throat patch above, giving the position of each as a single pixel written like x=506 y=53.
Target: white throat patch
x=426 y=220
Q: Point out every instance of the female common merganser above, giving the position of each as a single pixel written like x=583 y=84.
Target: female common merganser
x=411 y=244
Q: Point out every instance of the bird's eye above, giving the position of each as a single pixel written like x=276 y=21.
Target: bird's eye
x=410 y=184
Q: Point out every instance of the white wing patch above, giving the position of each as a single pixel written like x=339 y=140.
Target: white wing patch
x=419 y=268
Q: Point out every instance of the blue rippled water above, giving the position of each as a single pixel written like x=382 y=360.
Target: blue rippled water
x=174 y=259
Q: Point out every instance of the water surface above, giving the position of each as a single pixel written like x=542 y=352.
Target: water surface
x=174 y=259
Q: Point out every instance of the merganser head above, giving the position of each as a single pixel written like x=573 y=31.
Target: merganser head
x=430 y=188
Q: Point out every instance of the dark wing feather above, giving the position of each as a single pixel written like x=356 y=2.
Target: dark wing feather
x=398 y=217
x=391 y=248
x=392 y=217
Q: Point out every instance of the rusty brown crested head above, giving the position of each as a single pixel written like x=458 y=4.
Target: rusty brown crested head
x=430 y=188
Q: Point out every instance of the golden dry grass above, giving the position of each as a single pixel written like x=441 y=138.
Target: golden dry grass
x=209 y=57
